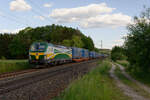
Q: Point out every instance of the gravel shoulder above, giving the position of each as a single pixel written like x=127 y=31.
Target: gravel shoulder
x=125 y=88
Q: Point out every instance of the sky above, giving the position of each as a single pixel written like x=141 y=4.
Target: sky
x=102 y=20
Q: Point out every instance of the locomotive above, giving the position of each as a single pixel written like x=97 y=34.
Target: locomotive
x=48 y=53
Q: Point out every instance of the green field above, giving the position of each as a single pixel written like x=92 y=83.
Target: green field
x=13 y=65
x=96 y=85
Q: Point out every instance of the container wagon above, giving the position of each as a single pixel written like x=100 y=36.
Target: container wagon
x=76 y=54
x=85 y=54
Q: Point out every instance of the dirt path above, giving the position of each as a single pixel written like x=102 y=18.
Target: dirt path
x=126 y=89
x=146 y=88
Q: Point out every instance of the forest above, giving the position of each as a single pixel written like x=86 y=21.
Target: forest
x=16 y=46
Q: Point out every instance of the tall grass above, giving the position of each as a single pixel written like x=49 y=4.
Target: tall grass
x=123 y=63
x=96 y=85
x=131 y=84
x=140 y=76
x=13 y=65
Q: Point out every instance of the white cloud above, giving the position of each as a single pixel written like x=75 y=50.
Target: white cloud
x=118 y=42
x=107 y=20
x=13 y=31
x=19 y=5
x=1 y=13
x=48 y=5
x=123 y=35
x=40 y=17
x=91 y=16
x=74 y=14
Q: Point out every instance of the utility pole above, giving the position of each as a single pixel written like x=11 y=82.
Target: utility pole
x=101 y=44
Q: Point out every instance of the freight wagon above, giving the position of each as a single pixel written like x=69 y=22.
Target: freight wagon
x=76 y=54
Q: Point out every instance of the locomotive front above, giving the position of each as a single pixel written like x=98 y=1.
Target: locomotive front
x=37 y=53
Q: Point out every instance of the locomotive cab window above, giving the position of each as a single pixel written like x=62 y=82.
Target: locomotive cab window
x=38 y=47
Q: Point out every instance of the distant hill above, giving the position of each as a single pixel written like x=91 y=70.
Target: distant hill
x=105 y=51
x=17 y=46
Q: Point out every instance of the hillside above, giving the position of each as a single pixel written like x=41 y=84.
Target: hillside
x=17 y=46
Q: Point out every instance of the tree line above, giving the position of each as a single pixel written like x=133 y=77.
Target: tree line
x=16 y=46
x=136 y=47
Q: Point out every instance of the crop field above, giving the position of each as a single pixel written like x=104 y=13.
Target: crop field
x=96 y=85
x=13 y=65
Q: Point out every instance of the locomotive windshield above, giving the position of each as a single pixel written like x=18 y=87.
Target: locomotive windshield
x=38 y=47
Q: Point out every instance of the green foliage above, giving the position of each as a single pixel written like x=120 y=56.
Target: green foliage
x=124 y=63
x=17 y=46
x=3 y=58
x=142 y=77
x=5 y=40
x=96 y=85
x=117 y=53
x=77 y=42
x=137 y=43
x=67 y=43
x=88 y=43
x=96 y=49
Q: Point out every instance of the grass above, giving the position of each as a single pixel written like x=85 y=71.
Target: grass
x=96 y=85
x=140 y=76
x=131 y=84
x=123 y=63
x=13 y=65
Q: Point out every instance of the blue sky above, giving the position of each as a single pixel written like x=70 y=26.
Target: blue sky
x=100 y=19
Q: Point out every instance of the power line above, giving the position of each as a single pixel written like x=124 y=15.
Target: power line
x=37 y=12
x=12 y=19
x=35 y=4
x=16 y=19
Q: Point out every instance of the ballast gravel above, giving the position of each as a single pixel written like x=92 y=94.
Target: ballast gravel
x=48 y=88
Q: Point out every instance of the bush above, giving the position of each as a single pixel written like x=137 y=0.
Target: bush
x=137 y=43
x=3 y=58
x=117 y=53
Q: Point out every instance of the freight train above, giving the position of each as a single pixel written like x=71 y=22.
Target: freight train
x=48 y=53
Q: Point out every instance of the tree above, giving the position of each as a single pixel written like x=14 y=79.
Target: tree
x=137 y=43
x=5 y=40
x=18 y=46
x=88 y=43
x=77 y=42
x=117 y=53
x=67 y=43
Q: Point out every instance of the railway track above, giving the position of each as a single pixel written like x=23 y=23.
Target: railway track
x=12 y=74
x=10 y=85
